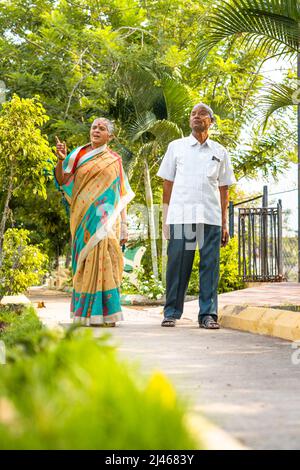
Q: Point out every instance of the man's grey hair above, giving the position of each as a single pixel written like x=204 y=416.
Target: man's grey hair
x=208 y=109
x=109 y=124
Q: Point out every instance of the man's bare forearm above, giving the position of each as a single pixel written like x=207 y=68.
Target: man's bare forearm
x=167 y=191
x=224 y=195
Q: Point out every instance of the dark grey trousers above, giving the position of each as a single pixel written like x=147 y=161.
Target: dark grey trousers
x=181 y=252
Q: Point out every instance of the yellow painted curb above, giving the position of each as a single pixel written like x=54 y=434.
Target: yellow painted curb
x=211 y=437
x=262 y=320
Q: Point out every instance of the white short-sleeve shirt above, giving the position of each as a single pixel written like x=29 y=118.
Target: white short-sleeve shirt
x=197 y=170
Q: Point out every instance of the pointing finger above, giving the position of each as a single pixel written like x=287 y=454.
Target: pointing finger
x=57 y=140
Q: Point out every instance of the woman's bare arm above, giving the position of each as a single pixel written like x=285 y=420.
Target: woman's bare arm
x=61 y=176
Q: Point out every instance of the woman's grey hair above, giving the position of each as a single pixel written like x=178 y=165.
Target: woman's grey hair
x=109 y=124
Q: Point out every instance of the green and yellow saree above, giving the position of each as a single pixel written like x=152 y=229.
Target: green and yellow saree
x=96 y=191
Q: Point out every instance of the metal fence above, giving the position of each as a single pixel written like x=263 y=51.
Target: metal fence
x=260 y=243
x=290 y=258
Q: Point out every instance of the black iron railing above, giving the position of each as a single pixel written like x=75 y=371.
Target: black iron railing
x=260 y=243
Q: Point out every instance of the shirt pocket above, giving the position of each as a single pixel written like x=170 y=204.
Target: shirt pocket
x=212 y=169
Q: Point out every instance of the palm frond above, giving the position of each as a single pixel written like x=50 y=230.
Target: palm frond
x=165 y=131
x=267 y=152
x=178 y=100
x=140 y=88
x=268 y=25
x=275 y=97
x=141 y=125
x=148 y=149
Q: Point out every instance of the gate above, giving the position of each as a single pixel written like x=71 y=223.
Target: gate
x=260 y=243
x=260 y=250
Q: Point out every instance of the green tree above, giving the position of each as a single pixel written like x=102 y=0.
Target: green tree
x=271 y=27
x=47 y=221
x=25 y=154
x=122 y=59
x=23 y=264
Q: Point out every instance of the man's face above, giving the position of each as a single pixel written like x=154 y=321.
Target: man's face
x=200 y=119
x=99 y=134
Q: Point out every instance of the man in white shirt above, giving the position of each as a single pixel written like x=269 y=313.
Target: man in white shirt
x=197 y=173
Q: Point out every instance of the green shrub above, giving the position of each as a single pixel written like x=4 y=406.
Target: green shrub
x=229 y=276
x=23 y=333
x=79 y=395
x=23 y=264
x=127 y=287
x=193 y=287
x=147 y=285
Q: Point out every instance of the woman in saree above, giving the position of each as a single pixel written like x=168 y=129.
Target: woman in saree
x=97 y=190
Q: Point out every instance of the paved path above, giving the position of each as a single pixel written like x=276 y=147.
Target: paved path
x=273 y=294
x=245 y=383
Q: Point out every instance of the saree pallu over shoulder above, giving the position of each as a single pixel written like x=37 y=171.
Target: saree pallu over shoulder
x=97 y=191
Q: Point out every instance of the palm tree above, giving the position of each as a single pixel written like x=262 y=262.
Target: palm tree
x=272 y=27
x=154 y=110
x=158 y=134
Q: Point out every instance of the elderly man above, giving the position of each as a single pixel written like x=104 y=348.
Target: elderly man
x=197 y=173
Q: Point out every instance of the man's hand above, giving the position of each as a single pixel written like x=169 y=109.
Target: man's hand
x=225 y=234
x=166 y=231
x=124 y=233
x=61 y=149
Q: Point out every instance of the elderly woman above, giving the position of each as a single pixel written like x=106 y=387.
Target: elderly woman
x=96 y=188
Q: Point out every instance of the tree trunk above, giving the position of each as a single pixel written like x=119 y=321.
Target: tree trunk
x=298 y=113
x=56 y=266
x=151 y=220
x=5 y=215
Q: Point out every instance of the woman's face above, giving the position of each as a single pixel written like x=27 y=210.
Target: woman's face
x=99 y=134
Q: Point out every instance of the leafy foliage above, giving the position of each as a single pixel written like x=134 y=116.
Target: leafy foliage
x=277 y=96
x=271 y=25
x=77 y=394
x=23 y=264
x=134 y=63
x=24 y=150
x=148 y=286
x=229 y=277
x=21 y=330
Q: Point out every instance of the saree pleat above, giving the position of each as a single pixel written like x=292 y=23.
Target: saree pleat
x=98 y=191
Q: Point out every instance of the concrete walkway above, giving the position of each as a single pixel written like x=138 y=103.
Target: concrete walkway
x=273 y=294
x=246 y=384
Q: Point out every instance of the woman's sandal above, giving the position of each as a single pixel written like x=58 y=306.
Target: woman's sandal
x=170 y=322
x=209 y=323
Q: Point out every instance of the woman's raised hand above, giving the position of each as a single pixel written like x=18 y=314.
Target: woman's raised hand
x=61 y=149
